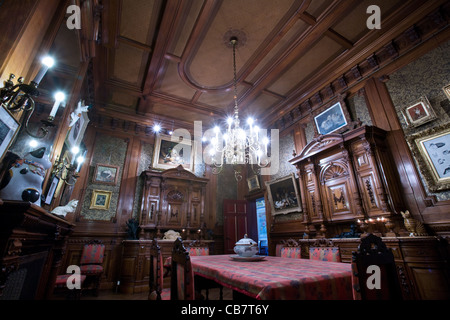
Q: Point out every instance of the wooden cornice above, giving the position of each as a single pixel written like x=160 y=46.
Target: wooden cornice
x=379 y=53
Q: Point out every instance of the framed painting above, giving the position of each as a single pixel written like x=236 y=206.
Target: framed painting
x=52 y=190
x=431 y=149
x=106 y=174
x=100 y=199
x=419 y=113
x=253 y=183
x=446 y=90
x=283 y=195
x=170 y=154
x=331 y=118
x=76 y=132
x=9 y=128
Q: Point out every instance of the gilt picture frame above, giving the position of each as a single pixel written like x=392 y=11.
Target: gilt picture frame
x=418 y=113
x=170 y=152
x=431 y=149
x=100 y=199
x=283 y=195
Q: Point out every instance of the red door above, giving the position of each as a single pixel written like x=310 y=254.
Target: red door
x=238 y=221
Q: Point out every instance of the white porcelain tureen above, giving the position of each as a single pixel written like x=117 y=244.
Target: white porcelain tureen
x=246 y=247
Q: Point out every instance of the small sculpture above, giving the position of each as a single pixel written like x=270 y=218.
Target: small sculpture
x=68 y=208
x=415 y=228
x=171 y=235
x=23 y=181
x=132 y=230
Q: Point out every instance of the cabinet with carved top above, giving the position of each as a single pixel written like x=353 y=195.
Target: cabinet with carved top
x=345 y=177
x=172 y=199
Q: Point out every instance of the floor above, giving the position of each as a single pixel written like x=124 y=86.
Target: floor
x=111 y=295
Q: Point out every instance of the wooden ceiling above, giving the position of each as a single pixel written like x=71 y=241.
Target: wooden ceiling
x=170 y=61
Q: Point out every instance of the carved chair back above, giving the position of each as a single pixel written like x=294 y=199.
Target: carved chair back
x=182 y=279
x=323 y=250
x=373 y=259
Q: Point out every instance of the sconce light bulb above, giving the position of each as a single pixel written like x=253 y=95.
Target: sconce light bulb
x=75 y=150
x=60 y=96
x=48 y=61
x=80 y=159
x=156 y=128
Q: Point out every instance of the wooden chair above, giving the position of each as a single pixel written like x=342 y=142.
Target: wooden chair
x=323 y=250
x=182 y=279
x=156 y=274
x=373 y=252
x=290 y=249
x=61 y=286
x=200 y=248
x=91 y=262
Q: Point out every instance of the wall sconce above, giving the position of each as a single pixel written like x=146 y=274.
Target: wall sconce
x=66 y=171
x=17 y=97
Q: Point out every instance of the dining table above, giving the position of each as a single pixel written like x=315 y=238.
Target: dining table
x=277 y=278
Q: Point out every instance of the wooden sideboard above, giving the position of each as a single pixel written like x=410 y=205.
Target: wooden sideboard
x=135 y=265
x=32 y=244
x=423 y=265
x=172 y=199
x=345 y=177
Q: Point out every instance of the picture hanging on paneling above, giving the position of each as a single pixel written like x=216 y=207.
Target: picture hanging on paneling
x=431 y=148
x=170 y=152
x=446 y=90
x=100 y=199
x=419 y=113
x=253 y=183
x=332 y=117
x=9 y=128
x=106 y=174
x=283 y=195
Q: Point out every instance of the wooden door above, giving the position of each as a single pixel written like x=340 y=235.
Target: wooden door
x=237 y=222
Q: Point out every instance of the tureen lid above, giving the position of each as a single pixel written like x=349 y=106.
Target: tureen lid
x=245 y=241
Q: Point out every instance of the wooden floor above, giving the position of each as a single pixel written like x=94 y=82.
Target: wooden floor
x=111 y=295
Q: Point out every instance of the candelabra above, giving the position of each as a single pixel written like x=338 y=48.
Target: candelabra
x=20 y=97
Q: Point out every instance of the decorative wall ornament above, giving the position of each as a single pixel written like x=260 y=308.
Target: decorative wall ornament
x=431 y=149
x=419 y=113
x=446 y=90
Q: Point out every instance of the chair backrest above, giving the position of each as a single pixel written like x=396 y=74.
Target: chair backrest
x=374 y=274
x=93 y=253
x=324 y=250
x=198 y=248
x=290 y=249
x=182 y=279
x=156 y=271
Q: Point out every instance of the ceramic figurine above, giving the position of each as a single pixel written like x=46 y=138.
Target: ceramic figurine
x=23 y=181
x=68 y=208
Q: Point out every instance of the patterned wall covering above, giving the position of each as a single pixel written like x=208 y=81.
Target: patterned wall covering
x=144 y=162
x=358 y=109
x=108 y=150
x=424 y=77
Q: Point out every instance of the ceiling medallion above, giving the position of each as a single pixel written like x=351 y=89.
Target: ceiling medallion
x=237 y=34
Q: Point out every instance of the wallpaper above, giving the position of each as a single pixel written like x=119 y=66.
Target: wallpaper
x=424 y=77
x=107 y=150
x=145 y=161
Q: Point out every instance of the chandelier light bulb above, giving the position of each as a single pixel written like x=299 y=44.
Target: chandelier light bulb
x=156 y=128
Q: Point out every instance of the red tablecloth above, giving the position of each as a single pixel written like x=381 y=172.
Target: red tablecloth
x=278 y=278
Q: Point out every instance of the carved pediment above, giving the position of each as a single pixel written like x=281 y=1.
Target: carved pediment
x=321 y=143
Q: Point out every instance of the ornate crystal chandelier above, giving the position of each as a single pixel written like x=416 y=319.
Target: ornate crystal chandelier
x=238 y=146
